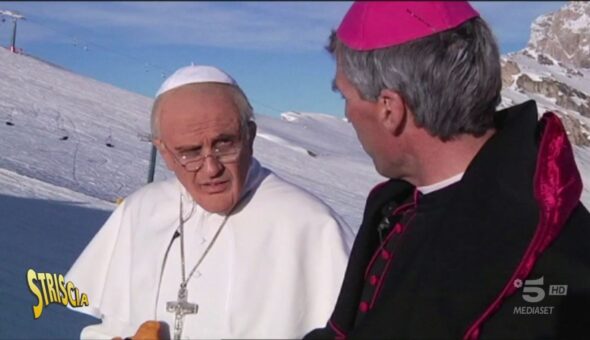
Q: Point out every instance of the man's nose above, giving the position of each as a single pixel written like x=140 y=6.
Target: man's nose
x=212 y=166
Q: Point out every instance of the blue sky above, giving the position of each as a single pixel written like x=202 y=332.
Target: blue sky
x=273 y=49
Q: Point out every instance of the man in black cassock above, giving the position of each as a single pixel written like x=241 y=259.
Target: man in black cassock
x=479 y=233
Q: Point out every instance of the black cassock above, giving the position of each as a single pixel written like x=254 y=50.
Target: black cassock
x=455 y=263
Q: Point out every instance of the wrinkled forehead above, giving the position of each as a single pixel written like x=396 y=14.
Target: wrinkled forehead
x=198 y=105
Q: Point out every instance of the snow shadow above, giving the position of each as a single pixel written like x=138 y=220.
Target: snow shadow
x=46 y=236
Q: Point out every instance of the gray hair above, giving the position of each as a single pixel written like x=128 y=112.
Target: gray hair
x=450 y=80
x=238 y=96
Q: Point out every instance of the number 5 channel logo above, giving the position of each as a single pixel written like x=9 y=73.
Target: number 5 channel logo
x=534 y=292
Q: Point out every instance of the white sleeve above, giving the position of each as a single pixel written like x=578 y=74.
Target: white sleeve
x=102 y=272
x=325 y=261
x=347 y=233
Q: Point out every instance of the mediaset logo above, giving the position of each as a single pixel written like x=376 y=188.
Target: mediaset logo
x=533 y=292
x=53 y=289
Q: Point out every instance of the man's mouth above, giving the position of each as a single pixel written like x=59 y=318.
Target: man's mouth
x=215 y=187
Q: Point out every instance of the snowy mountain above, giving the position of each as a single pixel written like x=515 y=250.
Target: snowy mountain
x=554 y=70
x=564 y=35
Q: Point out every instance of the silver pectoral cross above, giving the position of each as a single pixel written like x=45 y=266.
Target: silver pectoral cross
x=180 y=308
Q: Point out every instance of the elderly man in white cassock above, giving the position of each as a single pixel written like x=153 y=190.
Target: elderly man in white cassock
x=226 y=249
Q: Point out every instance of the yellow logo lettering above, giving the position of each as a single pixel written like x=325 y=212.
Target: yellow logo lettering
x=62 y=290
x=71 y=289
x=84 y=300
x=53 y=289
x=38 y=309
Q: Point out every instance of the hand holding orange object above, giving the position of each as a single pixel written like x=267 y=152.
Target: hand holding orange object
x=149 y=330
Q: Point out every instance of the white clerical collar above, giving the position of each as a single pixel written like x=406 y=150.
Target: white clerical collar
x=427 y=189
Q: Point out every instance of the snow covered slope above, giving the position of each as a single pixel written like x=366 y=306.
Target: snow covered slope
x=41 y=105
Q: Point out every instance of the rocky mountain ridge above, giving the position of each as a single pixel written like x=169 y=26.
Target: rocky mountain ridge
x=554 y=69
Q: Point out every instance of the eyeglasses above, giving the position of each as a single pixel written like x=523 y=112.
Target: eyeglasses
x=224 y=151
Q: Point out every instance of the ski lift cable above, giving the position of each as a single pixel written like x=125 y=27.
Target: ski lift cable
x=85 y=44
x=267 y=106
x=163 y=71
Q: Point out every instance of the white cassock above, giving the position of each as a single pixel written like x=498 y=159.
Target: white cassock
x=274 y=271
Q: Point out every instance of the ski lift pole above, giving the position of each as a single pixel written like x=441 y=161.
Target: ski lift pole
x=15 y=18
x=152 y=169
x=13 y=43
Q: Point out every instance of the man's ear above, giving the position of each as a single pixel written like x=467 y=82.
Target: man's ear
x=168 y=157
x=393 y=112
x=252 y=127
